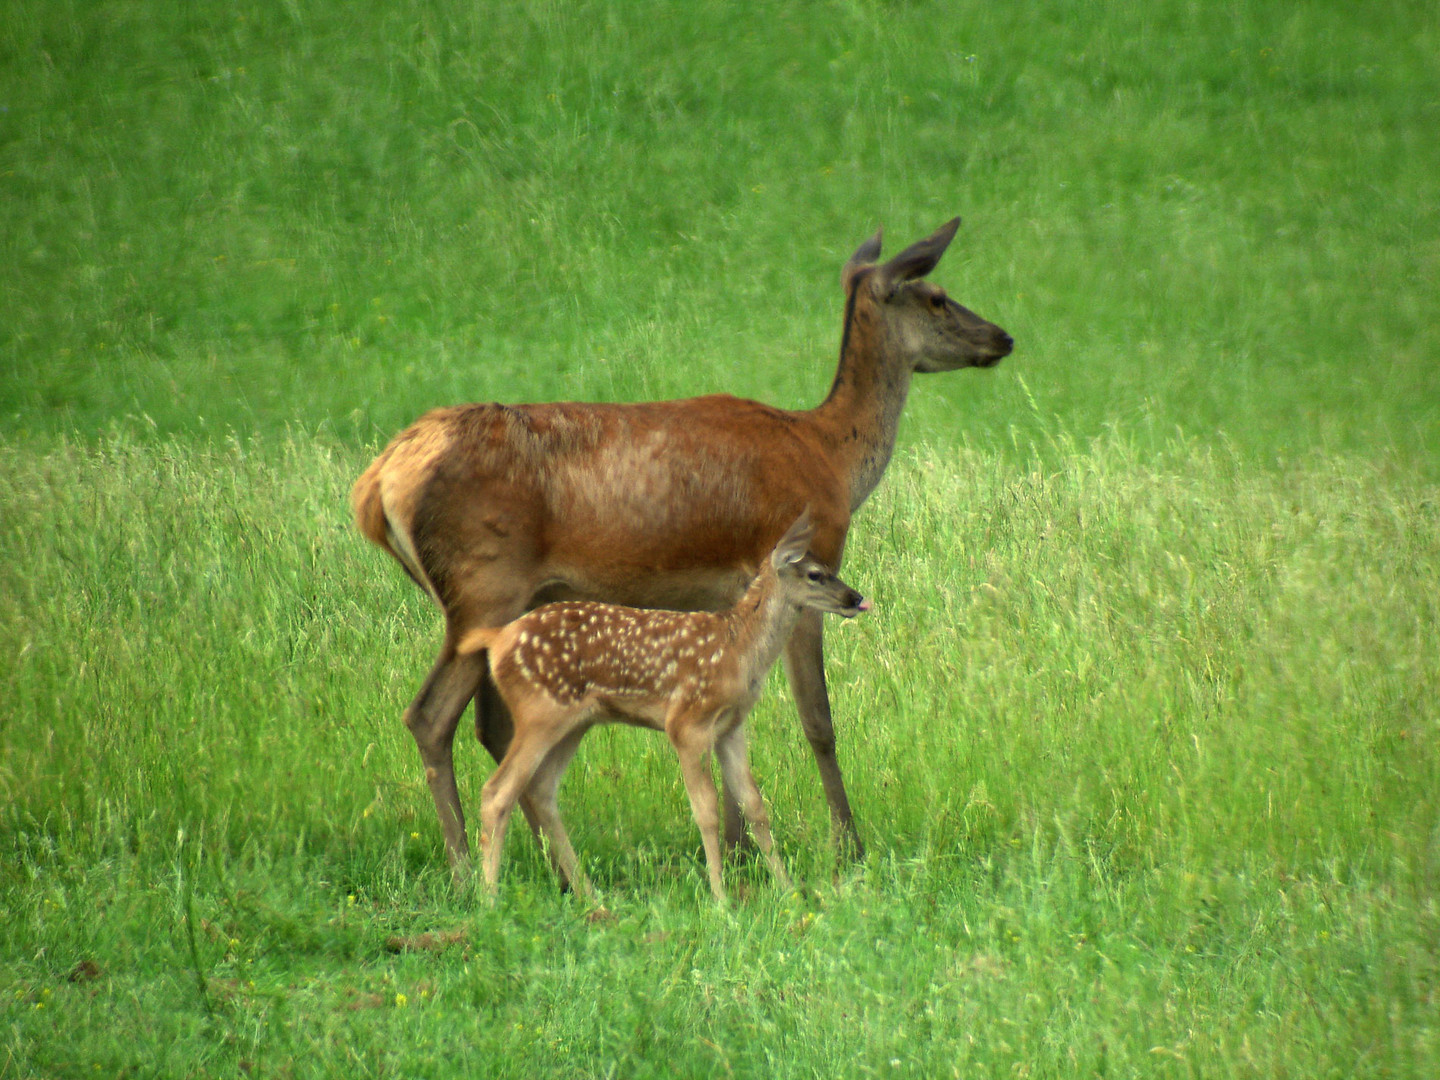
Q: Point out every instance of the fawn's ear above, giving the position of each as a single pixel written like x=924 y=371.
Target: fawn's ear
x=795 y=542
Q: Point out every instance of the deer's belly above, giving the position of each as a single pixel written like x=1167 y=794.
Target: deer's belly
x=689 y=589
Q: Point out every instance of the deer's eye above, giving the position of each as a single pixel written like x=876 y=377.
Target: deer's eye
x=816 y=575
x=937 y=302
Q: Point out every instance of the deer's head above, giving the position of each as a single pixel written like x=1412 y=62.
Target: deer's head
x=932 y=331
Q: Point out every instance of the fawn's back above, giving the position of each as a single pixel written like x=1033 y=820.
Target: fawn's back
x=634 y=663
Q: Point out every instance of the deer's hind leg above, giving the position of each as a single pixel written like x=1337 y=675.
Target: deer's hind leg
x=435 y=714
x=432 y=718
x=469 y=538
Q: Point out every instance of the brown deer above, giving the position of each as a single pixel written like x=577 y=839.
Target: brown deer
x=565 y=667
x=496 y=509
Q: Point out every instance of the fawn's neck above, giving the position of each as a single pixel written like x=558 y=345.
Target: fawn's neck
x=760 y=624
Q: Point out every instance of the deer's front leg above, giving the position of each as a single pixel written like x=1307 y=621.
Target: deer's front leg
x=805 y=665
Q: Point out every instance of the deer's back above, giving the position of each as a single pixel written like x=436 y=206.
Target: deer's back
x=657 y=504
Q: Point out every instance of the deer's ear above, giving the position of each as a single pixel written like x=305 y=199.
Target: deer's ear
x=918 y=259
x=865 y=255
x=795 y=542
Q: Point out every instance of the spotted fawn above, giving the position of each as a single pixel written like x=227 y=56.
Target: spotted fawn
x=565 y=667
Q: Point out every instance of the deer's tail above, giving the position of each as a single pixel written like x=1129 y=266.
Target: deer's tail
x=368 y=506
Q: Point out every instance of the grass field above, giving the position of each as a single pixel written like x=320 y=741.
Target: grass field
x=1142 y=736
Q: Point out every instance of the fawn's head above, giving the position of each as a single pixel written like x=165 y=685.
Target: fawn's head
x=933 y=331
x=807 y=582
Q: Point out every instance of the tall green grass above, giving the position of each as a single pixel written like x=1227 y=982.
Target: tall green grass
x=1142 y=735
x=1145 y=749
x=198 y=637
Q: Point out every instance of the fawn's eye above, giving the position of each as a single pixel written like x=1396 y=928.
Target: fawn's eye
x=816 y=575
x=938 y=301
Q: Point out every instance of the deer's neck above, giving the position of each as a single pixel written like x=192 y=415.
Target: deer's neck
x=760 y=624
x=861 y=415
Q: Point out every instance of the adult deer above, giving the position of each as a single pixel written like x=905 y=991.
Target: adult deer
x=563 y=668
x=495 y=509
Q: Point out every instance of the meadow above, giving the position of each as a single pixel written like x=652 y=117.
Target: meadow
x=1142 y=736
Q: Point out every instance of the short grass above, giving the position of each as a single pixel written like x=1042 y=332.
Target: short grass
x=238 y=216
x=1142 y=734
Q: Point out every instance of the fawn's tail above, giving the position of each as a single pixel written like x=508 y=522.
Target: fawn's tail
x=477 y=640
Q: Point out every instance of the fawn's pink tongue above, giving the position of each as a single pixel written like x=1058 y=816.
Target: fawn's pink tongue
x=865 y=605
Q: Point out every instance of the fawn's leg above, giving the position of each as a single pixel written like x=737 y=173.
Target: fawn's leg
x=542 y=792
x=737 y=840
x=692 y=742
x=730 y=751
x=504 y=788
x=494 y=727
